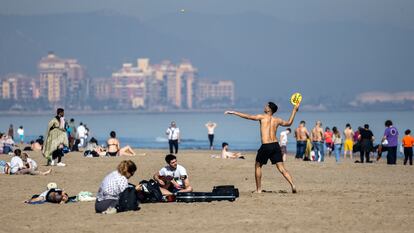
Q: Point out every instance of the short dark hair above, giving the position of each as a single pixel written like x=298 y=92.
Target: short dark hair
x=289 y=129
x=388 y=123
x=348 y=125
x=112 y=134
x=93 y=140
x=366 y=126
x=169 y=158
x=407 y=132
x=17 y=152
x=59 y=111
x=302 y=122
x=224 y=144
x=273 y=107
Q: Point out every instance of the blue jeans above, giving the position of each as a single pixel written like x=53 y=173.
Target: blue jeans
x=300 y=149
x=337 y=151
x=318 y=147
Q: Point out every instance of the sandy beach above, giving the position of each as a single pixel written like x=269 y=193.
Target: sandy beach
x=332 y=197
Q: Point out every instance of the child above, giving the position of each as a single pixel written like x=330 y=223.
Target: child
x=408 y=142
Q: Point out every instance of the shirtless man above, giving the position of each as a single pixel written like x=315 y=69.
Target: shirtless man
x=226 y=154
x=270 y=148
x=317 y=141
x=301 y=135
x=349 y=140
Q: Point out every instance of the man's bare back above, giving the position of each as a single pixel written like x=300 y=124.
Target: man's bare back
x=349 y=133
x=268 y=128
x=301 y=133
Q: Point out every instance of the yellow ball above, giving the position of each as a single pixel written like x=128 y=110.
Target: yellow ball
x=296 y=98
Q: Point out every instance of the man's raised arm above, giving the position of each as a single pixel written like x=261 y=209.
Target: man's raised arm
x=291 y=118
x=244 y=115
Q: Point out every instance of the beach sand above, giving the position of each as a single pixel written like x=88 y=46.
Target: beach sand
x=332 y=197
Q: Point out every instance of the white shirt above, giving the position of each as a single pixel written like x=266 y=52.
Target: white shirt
x=15 y=164
x=173 y=133
x=210 y=128
x=33 y=164
x=20 y=131
x=81 y=130
x=112 y=185
x=176 y=174
x=284 y=138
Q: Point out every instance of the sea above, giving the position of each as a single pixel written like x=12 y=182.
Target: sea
x=147 y=130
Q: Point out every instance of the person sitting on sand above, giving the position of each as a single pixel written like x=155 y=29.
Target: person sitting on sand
x=4 y=167
x=19 y=165
x=226 y=154
x=54 y=195
x=92 y=149
x=113 y=185
x=35 y=146
x=114 y=148
x=173 y=178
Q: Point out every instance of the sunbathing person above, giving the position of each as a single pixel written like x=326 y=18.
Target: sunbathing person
x=92 y=149
x=172 y=178
x=226 y=154
x=114 y=148
x=54 y=195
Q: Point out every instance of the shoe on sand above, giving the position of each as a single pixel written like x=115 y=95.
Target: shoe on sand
x=52 y=163
x=60 y=164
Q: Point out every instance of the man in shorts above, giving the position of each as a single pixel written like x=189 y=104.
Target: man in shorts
x=270 y=148
x=349 y=141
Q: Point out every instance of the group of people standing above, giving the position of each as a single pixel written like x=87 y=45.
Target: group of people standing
x=312 y=145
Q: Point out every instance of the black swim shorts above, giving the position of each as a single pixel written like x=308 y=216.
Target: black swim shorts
x=269 y=151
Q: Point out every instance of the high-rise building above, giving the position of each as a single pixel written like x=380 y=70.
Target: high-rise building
x=129 y=86
x=215 y=94
x=180 y=84
x=62 y=81
x=18 y=87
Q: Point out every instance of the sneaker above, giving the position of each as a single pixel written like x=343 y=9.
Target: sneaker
x=60 y=164
x=53 y=163
x=110 y=210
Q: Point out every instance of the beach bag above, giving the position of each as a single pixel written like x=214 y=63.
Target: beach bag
x=150 y=192
x=128 y=200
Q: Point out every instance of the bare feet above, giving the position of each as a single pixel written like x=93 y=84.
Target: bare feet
x=47 y=172
x=257 y=191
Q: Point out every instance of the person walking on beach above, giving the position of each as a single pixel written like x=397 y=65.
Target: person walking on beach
x=20 y=132
x=391 y=138
x=349 y=141
x=270 y=148
x=284 y=141
x=328 y=140
x=317 y=142
x=56 y=139
x=407 y=143
x=173 y=134
x=366 y=138
x=210 y=128
x=81 y=132
x=301 y=135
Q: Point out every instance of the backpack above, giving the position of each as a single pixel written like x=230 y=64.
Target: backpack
x=128 y=199
x=151 y=192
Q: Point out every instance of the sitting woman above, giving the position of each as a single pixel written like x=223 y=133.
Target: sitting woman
x=32 y=166
x=114 y=149
x=226 y=154
x=113 y=185
x=53 y=195
x=92 y=149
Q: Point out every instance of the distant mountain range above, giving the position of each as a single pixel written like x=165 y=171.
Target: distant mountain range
x=267 y=58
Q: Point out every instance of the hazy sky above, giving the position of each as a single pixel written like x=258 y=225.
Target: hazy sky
x=344 y=46
x=395 y=12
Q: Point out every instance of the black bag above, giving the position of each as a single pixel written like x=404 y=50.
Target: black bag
x=226 y=190
x=150 y=192
x=128 y=199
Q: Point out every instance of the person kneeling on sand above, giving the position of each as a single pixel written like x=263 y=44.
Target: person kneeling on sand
x=172 y=178
x=226 y=154
x=112 y=186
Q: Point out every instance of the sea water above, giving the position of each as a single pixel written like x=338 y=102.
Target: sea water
x=147 y=130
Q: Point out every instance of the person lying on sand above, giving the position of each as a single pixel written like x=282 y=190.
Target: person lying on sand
x=226 y=154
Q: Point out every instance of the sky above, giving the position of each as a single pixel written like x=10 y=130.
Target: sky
x=315 y=60
x=394 y=12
